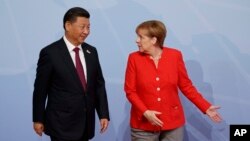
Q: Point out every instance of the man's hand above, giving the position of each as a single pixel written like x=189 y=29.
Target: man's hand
x=104 y=123
x=38 y=127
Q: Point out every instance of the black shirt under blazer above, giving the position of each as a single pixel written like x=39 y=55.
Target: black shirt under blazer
x=68 y=107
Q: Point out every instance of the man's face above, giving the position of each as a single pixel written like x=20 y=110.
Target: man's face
x=78 y=31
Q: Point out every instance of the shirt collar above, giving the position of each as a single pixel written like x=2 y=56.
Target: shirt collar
x=69 y=45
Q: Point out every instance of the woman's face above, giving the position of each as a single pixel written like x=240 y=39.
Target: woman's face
x=144 y=42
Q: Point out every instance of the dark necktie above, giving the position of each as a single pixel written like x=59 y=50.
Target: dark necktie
x=79 y=68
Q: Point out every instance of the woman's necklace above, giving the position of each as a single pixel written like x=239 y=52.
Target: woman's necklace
x=157 y=57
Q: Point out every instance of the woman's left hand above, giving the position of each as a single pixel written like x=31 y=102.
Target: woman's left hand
x=213 y=114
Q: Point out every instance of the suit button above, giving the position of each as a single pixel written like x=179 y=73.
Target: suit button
x=84 y=109
x=158 y=89
x=157 y=78
x=158 y=99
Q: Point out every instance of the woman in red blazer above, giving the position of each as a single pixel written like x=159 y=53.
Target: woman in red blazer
x=153 y=76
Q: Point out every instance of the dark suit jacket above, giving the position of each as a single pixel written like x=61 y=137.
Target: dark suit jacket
x=59 y=101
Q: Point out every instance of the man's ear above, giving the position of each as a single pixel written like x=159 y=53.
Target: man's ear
x=67 y=26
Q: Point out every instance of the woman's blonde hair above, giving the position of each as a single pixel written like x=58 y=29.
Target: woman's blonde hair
x=154 y=28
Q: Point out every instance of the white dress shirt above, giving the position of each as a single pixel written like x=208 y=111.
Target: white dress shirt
x=72 y=54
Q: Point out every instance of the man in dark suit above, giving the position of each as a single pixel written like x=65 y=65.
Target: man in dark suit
x=69 y=84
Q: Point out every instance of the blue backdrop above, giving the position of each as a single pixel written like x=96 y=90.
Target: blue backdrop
x=212 y=34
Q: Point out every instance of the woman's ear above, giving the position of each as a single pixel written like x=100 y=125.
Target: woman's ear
x=154 y=40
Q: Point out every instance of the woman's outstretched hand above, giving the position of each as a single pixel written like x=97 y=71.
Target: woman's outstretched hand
x=213 y=114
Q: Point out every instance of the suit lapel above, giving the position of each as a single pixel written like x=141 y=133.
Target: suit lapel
x=87 y=54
